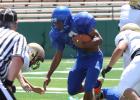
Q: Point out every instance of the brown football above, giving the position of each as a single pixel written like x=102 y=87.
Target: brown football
x=82 y=37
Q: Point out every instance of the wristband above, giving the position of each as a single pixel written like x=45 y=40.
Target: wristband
x=108 y=69
x=8 y=83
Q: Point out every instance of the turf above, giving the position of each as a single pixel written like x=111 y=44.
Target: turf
x=59 y=80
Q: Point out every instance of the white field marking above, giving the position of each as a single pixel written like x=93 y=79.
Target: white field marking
x=73 y=61
x=48 y=89
x=68 y=62
x=62 y=72
x=107 y=79
x=22 y=91
x=42 y=73
x=114 y=69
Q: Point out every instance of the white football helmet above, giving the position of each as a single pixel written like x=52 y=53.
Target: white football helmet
x=36 y=54
x=135 y=3
x=130 y=26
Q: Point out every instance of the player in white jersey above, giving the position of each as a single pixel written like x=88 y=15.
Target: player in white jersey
x=130 y=13
x=12 y=52
x=34 y=55
x=127 y=41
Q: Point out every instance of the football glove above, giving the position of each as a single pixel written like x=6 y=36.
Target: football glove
x=106 y=70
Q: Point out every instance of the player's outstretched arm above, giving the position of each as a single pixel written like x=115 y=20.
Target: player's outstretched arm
x=35 y=89
x=27 y=86
x=23 y=83
x=117 y=53
x=55 y=62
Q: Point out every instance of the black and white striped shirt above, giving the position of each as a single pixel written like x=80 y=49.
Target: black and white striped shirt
x=11 y=44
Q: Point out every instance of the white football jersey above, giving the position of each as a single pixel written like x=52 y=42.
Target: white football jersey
x=26 y=64
x=132 y=38
x=126 y=56
x=129 y=15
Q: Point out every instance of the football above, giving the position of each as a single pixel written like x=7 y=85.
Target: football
x=82 y=38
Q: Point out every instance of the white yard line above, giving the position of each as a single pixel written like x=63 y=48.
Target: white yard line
x=73 y=61
x=62 y=72
x=42 y=73
x=22 y=91
x=61 y=78
x=48 y=89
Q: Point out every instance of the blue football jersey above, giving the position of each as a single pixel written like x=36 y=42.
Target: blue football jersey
x=60 y=39
x=83 y=23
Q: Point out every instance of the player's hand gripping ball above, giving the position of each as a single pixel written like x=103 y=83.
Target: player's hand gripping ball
x=78 y=40
x=82 y=38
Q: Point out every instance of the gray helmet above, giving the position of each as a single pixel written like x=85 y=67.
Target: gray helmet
x=130 y=26
x=37 y=54
x=135 y=3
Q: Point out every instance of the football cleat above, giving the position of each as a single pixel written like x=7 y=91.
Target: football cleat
x=72 y=98
x=98 y=90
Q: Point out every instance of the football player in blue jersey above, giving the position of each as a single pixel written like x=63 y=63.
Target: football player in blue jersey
x=61 y=25
x=89 y=56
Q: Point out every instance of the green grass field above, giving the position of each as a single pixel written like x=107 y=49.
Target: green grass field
x=57 y=89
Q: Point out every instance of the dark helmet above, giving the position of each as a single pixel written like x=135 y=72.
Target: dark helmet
x=8 y=15
x=62 y=13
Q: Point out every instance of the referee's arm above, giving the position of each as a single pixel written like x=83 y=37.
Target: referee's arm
x=14 y=67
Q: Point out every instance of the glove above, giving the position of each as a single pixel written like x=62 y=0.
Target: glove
x=106 y=70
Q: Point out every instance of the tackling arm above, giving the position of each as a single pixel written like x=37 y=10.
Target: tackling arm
x=27 y=86
x=55 y=62
x=117 y=53
x=24 y=84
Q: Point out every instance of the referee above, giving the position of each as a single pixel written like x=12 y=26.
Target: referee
x=12 y=51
